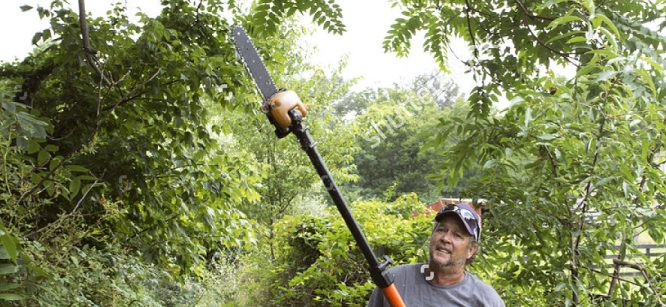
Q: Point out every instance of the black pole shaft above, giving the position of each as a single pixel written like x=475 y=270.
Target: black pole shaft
x=308 y=145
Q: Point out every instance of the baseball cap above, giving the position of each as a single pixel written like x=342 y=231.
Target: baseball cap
x=467 y=215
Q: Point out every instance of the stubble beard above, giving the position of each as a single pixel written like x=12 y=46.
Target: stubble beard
x=449 y=265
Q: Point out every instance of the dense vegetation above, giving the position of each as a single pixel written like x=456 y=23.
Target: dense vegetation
x=136 y=168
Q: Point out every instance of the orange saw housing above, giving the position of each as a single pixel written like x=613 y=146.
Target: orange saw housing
x=281 y=103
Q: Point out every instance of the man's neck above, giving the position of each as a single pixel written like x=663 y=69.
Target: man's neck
x=448 y=278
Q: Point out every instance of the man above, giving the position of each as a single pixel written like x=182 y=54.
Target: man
x=444 y=281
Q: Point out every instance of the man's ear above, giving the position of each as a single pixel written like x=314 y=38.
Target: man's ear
x=472 y=249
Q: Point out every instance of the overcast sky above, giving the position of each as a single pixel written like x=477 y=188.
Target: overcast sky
x=367 y=22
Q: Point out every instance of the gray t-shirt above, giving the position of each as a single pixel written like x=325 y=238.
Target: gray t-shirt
x=417 y=292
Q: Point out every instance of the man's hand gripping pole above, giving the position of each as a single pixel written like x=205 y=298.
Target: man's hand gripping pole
x=286 y=111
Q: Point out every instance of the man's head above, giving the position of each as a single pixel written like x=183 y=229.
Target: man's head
x=453 y=241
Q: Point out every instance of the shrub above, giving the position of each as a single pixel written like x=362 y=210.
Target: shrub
x=320 y=264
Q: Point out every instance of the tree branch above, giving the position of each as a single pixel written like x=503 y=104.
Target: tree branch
x=34 y=187
x=469 y=28
x=640 y=268
x=540 y=42
x=530 y=15
x=88 y=51
x=133 y=95
x=527 y=14
x=583 y=203
x=164 y=221
x=608 y=275
x=64 y=216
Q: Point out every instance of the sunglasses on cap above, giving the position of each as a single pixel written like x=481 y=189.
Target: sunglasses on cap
x=466 y=214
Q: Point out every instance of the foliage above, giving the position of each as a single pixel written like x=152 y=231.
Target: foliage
x=132 y=171
x=572 y=168
x=140 y=130
x=319 y=263
x=392 y=126
x=512 y=40
x=268 y=15
x=390 y=134
x=129 y=164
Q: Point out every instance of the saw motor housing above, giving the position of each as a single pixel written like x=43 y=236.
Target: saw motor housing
x=279 y=105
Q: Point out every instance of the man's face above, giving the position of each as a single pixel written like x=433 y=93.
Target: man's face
x=450 y=245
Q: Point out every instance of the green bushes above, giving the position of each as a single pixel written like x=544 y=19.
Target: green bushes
x=318 y=262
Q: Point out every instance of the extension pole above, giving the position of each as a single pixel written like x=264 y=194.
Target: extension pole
x=378 y=271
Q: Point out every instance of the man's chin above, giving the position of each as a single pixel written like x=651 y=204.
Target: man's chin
x=439 y=261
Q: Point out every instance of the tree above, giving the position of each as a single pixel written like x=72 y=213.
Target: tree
x=110 y=149
x=392 y=126
x=573 y=161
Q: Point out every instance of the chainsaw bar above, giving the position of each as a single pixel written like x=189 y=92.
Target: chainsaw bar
x=253 y=62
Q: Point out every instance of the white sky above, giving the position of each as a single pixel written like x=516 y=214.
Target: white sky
x=367 y=23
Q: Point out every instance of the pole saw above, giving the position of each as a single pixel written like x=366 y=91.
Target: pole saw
x=286 y=112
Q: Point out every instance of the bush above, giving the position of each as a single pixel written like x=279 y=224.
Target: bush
x=320 y=264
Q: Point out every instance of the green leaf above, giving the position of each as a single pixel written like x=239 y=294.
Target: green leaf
x=576 y=39
x=77 y=169
x=586 y=70
x=589 y=5
x=3 y=253
x=8 y=286
x=605 y=52
x=548 y=137
x=33 y=147
x=7 y=268
x=36 y=38
x=74 y=186
x=8 y=243
x=605 y=75
x=10 y=297
x=647 y=79
x=565 y=35
x=55 y=162
x=9 y=246
x=563 y=20
x=25 y=8
x=656 y=66
x=608 y=23
x=32 y=127
x=43 y=157
x=51 y=148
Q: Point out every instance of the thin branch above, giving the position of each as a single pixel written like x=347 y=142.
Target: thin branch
x=64 y=216
x=640 y=268
x=540 y=42
x=34 y=188
x=553 y=162
x=469 y=28
x=133 y=96
x=584 y=203
x=85 y=36
x=173 y=216
x=609 y=275
x=530 y=15
x=83 y=196
x=527 y=14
